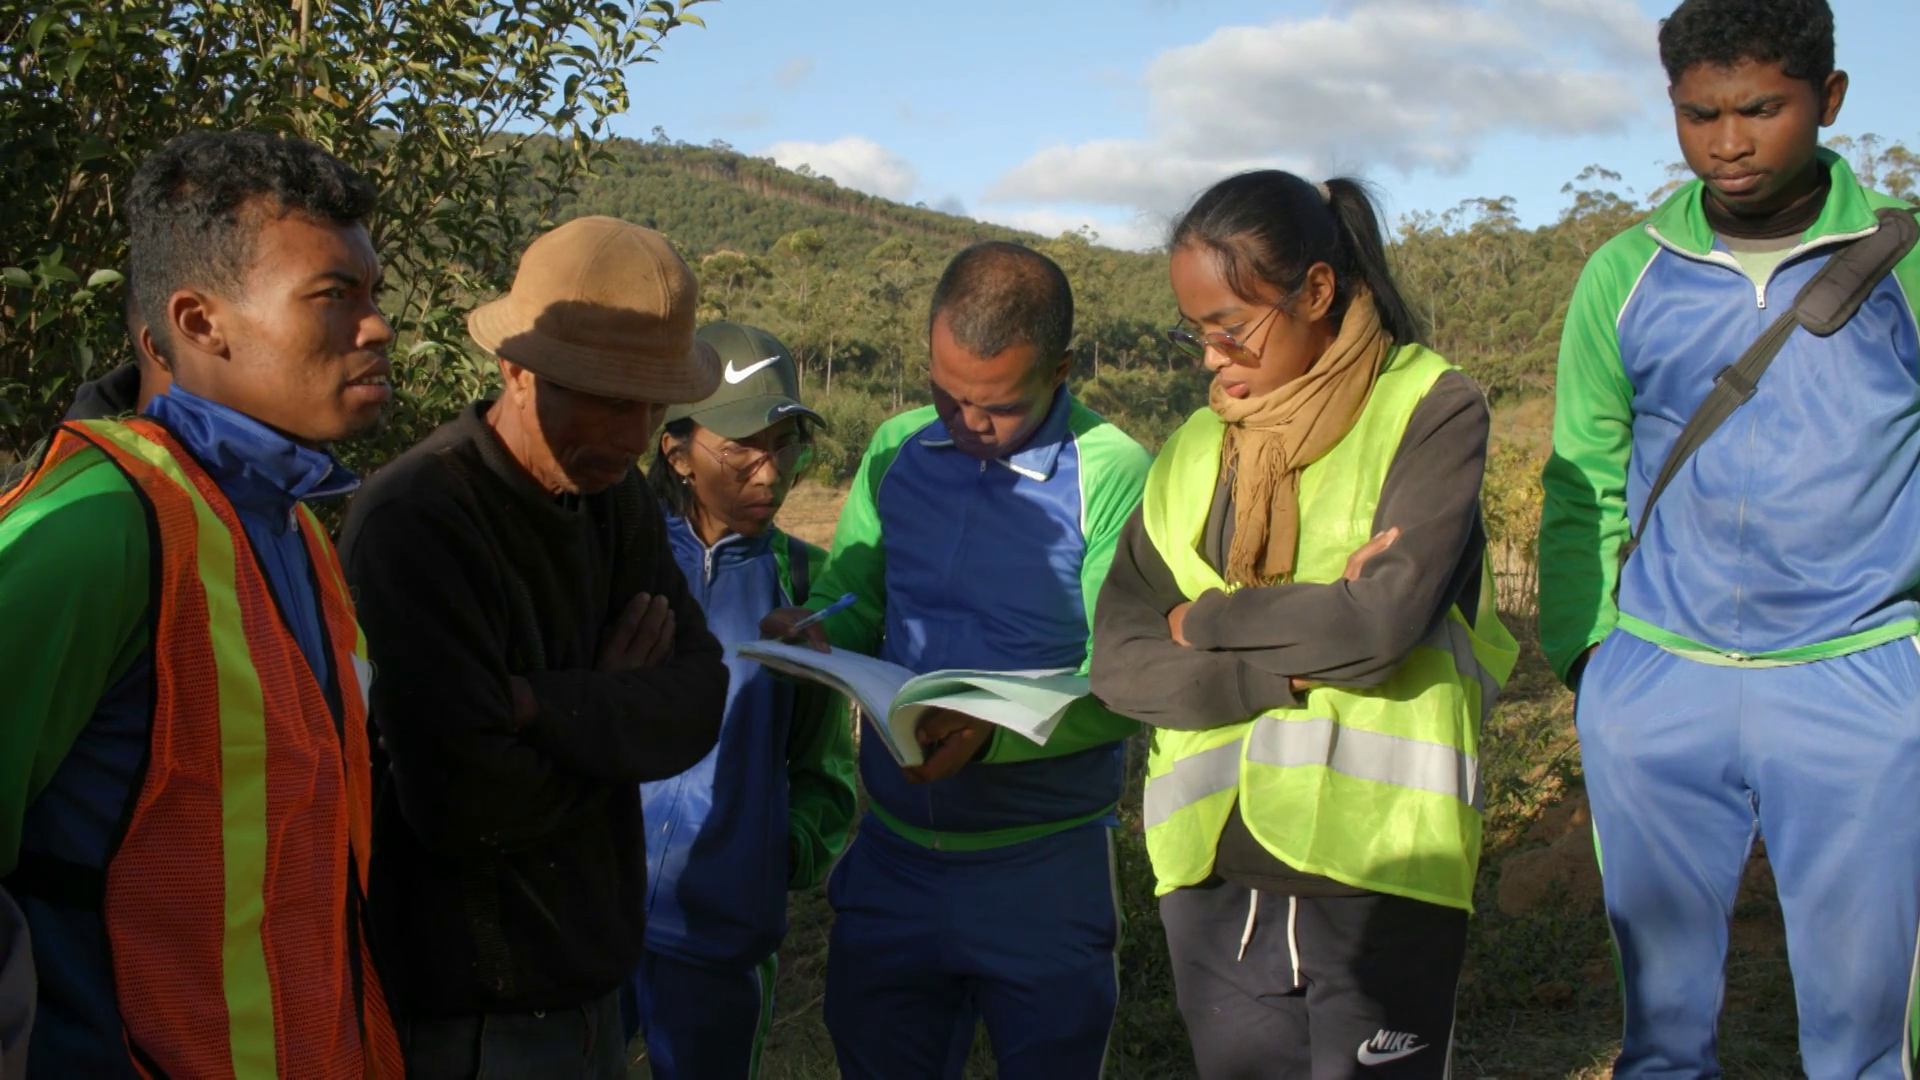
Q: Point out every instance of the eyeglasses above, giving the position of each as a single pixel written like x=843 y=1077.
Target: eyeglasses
x=789 y=460
x=1196 y=345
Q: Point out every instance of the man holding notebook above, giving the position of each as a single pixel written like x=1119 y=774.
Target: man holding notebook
x=976 y=535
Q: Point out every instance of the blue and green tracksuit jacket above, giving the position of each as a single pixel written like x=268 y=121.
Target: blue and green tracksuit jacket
x=769 y=807
x=959 y=563
x=1791 y=532
x=1758 y=682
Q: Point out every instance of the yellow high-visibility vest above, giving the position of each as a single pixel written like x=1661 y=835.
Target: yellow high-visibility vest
x=1376 y=788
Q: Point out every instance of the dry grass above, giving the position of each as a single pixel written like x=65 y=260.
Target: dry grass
x=810 y=512
x=1526 y=424
x=1538 y=997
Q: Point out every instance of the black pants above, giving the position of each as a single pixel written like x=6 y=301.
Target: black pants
x=1316 y=988
x=586 y=1042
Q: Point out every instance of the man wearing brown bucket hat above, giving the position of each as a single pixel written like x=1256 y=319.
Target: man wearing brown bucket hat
x=539 y=657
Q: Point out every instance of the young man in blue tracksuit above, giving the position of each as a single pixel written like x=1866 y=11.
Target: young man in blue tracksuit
x=976 y=535
x=769 y=808
x=1751 y=667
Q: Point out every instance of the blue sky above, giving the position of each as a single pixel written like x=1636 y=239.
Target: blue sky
x=1050 y=114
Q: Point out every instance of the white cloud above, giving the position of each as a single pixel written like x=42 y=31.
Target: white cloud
x=852 y=161
x=1618 y=31
x=1113 y=172
x=1138 y=232
x=793 y=72
x=1409 y=84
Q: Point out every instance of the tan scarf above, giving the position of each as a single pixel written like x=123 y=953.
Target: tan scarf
x=1270 y=438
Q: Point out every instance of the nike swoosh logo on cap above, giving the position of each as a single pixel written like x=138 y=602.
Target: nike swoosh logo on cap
x=739 y=375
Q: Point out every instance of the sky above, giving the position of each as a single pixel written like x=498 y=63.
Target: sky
x=1112 y=114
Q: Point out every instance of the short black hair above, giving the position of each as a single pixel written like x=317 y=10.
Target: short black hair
x=131 y=311
x=1796 y=34
x=196 y=205
x=997 y=294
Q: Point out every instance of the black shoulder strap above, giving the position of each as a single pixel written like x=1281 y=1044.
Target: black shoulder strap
x=799 y=573
x=1822 y=307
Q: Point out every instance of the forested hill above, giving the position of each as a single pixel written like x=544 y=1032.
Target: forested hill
x=776 y=244
x=844 y=278
x=709 y=198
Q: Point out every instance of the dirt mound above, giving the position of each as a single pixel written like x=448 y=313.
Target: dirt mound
x=1563 y=871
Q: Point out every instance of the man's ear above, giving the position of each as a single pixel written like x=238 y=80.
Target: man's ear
x=1061 y=369
x=199 y=321
x=1832 y=96
x=516 y=382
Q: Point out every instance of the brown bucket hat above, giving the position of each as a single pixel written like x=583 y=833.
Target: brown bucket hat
x=606 y=307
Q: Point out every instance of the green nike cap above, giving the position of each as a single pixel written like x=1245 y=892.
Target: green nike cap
x=759 y=384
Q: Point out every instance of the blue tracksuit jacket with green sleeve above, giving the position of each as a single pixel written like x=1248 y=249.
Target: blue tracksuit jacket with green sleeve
x=993 y=565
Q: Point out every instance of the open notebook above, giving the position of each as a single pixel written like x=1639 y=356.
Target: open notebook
x=1028 y=703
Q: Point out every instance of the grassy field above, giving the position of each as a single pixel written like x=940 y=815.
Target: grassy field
x=1538 y=998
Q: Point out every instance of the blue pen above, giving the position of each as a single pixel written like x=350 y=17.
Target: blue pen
x=834 y=608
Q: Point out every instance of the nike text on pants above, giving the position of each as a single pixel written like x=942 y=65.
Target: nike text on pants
x=1314 y=988
x=701 y=1022
x=928 y=943
x=1685 y=762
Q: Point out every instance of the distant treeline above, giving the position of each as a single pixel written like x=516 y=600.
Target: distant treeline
x=844 y=277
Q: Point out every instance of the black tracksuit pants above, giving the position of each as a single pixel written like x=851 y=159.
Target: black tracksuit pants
x=1314 y=988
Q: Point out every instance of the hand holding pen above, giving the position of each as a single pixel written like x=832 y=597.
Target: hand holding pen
x=799 y=624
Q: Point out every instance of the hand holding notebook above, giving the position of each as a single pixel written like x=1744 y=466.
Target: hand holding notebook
x=1028 y=703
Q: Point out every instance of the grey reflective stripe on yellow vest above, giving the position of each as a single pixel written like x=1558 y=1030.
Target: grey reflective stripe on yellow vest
x=1191 y=779
x=1376 y=788
x=1387 y=759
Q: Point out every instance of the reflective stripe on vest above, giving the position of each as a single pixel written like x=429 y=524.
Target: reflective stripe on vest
x=1458 y=641
x=1366 y=755
x=52 y=456
x=1382 y=758
x=1377 y=788
x=237 y=937
x=1191 y=779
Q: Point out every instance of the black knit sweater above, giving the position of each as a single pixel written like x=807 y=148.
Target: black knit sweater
x=509 y=867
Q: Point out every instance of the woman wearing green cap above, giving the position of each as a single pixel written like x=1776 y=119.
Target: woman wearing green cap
x=768 y=810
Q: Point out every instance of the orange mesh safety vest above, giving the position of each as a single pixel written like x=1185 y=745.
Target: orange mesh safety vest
x=234 y=904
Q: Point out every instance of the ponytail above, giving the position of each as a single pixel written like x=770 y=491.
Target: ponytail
x=1361 y=235
x=1270 y=227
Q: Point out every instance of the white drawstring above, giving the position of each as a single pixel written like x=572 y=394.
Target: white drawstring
x=1293 y=939
x=1247 y=935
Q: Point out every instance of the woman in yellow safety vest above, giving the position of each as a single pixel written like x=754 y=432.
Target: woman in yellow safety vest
x=1303 y=610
